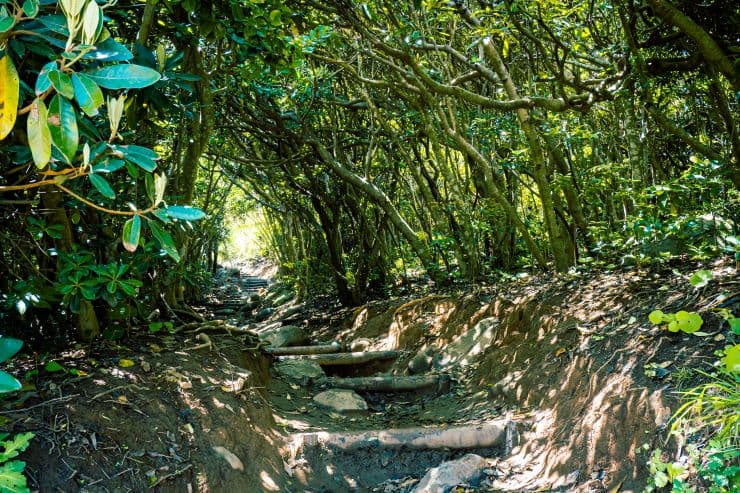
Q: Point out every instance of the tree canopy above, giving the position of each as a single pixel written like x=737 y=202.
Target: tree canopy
x=374 y=140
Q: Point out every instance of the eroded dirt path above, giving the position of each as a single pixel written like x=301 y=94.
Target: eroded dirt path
x=560 y=364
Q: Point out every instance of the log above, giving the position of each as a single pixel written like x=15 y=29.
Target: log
x=391 y=383
x=491 y=434
x=344 y=358
x=334 y=347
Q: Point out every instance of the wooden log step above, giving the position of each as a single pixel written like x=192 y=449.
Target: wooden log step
x=334 y=347
x=391 y=383
x=336 y=359
x=501 y=433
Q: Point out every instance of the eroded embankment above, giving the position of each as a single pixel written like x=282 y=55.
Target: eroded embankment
x=564 y=358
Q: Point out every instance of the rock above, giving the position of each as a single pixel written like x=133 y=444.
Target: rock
x=288 y=335
x=341 y=401
x=264 y=314
x=449 y=474
x=302 y=371
x=421 y=363
x=359 y=345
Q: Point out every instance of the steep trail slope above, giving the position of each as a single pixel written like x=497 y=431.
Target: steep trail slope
x=557 y=374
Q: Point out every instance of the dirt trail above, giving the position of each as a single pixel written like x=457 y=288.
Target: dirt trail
x=558 y=364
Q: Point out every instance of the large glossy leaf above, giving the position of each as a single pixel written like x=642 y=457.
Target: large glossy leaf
x=8 y=347
x=39 y=137
x=131 y=232
x=140 y=156
x=7 y=21
x=108 y=166
x=9 y=90
x=63 y=126
x=185 y=212
x=124 y=76
x=165 y=240
x=8 y=383
x=55 y=23
x=42 y=81
x=31 y=8
x=62 y=83
x=87 y=93
x=102 y=185
x=109 y=50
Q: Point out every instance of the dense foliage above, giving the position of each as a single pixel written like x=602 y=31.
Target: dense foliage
x=373 y=140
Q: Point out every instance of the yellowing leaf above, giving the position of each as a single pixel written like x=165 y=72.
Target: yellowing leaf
x=39 y=136
x=122 y=399
x=126 y=363
x=9 y=90
x=561 y=351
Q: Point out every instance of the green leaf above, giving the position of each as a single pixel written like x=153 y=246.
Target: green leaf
x=42 y=81
x=661 y=479
x=8 y=384
x=31 y=8
x=57 y=24
x=124 y=76
x=18 y=444
x=165 y=240
x=185 y=212
x=62 y=121
x=53 y=367
x=8 y=347
x=109 y=50
x=140 y=156
x=108 y=166
x=102 y=185
x=734 y=325
x=732 y=358
x=6 y=21
x=275 y=19
x=87 y=93
x=39 y=137
x=656 y=317
x=12 y=479
x=131 y=232
x=62 y=83
x=701 y=278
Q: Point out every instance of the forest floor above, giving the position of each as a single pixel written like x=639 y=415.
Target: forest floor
x=580 y=383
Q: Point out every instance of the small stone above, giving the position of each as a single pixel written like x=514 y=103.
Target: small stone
x=572 y=478
x=288 y=335
x=421 y=363
x=449 y=474
x=341 y=401
x=359 y=345
x=264 y=314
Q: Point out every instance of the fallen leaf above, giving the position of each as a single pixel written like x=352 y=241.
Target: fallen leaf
x=230 y=457
x=560 y=351
x=122 y=399
x=126 y=363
